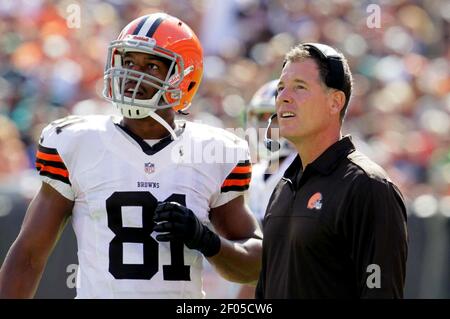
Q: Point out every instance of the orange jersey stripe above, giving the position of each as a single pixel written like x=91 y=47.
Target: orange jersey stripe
x=242 y=169
x=53 y=170
x=49 y=157
x=236 y=182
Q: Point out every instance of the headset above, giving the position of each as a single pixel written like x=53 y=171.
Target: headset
x=270 y=144
x=334 y=79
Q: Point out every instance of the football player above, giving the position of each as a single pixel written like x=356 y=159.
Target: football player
x=141 y=188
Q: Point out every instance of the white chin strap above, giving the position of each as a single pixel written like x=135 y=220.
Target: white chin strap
x=161 y=121
x=136 y=112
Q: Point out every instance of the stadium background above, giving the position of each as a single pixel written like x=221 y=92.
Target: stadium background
x=399 y=114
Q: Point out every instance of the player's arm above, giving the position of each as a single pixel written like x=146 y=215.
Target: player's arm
x=375 y=227
x=44 y=221
x=239 y=257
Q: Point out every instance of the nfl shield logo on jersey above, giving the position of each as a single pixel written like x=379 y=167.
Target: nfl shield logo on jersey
x=149 y=167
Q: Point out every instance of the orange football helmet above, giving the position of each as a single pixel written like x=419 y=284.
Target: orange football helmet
x=164 y=36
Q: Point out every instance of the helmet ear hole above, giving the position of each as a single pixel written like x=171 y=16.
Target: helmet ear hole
x=191 y=85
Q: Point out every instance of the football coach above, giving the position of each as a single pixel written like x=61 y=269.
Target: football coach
x=335 y=226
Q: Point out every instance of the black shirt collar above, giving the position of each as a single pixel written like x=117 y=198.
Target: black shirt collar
x=330 y=159
x=326 y=162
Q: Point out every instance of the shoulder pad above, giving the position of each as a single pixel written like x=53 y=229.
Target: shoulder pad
x=207 y=133
x=66 y=129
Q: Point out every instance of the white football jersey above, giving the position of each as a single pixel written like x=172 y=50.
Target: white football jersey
x=261 y=189
x=116 y=180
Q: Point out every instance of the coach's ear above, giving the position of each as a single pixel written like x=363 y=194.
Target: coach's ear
x=337 y=101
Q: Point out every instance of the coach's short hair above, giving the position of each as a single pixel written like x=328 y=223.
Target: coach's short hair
x=333 y=67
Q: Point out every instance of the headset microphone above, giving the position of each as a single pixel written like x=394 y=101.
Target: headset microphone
x=270 y=144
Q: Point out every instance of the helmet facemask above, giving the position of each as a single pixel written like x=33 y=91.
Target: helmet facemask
x=116 y=77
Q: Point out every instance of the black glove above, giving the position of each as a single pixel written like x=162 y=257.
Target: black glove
x=180 y=223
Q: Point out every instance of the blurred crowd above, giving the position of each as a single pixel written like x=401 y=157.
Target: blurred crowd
x=51 y=65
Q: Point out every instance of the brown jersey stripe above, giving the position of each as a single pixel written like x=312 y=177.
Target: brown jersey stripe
x=53 y=170
x=244 y=163
x=51 y=163
x=55 y=176
x=239 y=176
x=234 y=188
x=47 y=150
x=49 y=157
x=48 y=154
x=242 y=170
